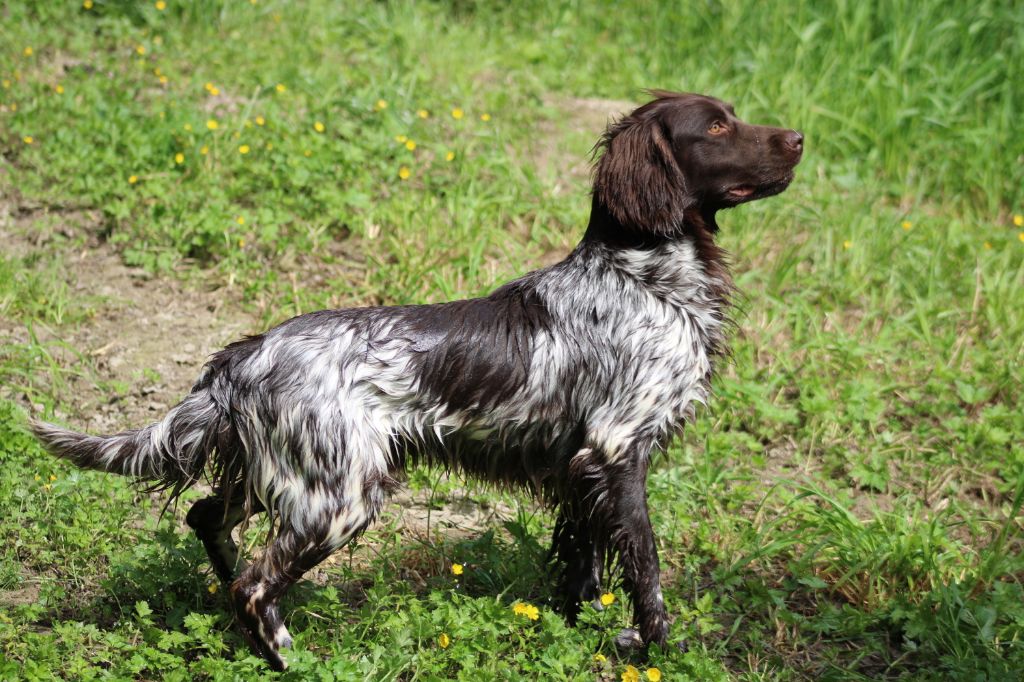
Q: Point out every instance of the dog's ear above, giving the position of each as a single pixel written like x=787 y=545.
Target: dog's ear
x=637 y=178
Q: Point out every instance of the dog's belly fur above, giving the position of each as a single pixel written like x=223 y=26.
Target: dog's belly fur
x=507 y=388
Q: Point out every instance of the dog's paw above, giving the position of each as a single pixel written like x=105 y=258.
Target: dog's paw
x=629 y=639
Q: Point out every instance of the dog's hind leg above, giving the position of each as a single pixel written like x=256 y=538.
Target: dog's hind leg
x=580 y=558
x=213 y=518
x=296 y=549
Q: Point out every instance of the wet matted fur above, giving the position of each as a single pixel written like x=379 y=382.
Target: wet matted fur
x=563 y=381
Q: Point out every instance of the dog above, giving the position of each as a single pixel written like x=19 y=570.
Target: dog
x=563 y=382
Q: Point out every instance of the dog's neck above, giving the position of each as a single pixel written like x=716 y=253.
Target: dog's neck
x=697 y=226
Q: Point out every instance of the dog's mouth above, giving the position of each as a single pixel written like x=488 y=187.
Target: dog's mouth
x=741 y=192
x=749 y=192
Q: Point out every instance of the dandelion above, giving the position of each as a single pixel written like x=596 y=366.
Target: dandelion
x=280 y=87
x=240 y=220
x=243 y=149
x=27 y=52
x=38 y=477
x=457 y=569
x=260 y=120
x=450 y=156
x=906 y=224
x=208 y=86
x=179 y=158
x=204 y=150
x=444 y=640
x=163 y=80
x=47 y=487
x=528 y=610
x=600 y=658
x=59 y=89
x=1020 y=236
x=307 y=153
x=160 y=5
x=381 y=105
x=87 y=4
x=423 y=113
x=214 y=92
x=140 y=49
x=630 y=674
x=847 y=244
x=212 y=124
x=14 y=106
x=212 y=588
x=7 y=84
x=132 y=179
x=485 y=117
x=52 y=478
x=1018 y=220
x=410 y=145
x=404 y=172
x=458 y=113
x=654 y=675
x=318 y=126
x=988 y=246
x=400 y=138
x=187 y=127
x=607 y=599
x=28 y=139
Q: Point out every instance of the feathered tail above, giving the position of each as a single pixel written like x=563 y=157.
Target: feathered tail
x=172 y=452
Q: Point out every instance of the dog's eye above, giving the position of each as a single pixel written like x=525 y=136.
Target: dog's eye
x=717 y=128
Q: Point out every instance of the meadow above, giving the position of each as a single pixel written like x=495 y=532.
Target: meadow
x=174 y=174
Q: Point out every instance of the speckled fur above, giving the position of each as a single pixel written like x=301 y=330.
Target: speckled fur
x=563 y=381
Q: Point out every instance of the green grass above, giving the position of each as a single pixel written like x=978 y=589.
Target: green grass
x=849 y=506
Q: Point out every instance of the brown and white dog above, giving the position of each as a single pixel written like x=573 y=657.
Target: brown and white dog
x=563 y=381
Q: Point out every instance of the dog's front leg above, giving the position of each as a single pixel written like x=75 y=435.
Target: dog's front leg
x=580 y=560
x=620 y=514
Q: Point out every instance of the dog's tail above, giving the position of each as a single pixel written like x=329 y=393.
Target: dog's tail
x=172 y=452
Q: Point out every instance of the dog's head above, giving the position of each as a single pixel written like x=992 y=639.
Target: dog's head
x=681 y=152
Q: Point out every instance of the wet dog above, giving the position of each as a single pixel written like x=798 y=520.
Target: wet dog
x=563 y=381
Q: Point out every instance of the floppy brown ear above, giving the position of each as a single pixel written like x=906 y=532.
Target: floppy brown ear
x=637 y=179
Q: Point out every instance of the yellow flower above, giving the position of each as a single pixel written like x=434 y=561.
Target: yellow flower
x=59 y=89
x=630 y=674
x=27 y=52
x=422 y=113
x=204 y=150
x=6 y=84
x=600 y=658
x=269 y=146
x=211 y=588
x=280 y=87
x=847 y=244
x=240 y=220
x=132 y=179
x=318 y=126
x=208 y=86
x=212 y=124
x=214 y=92
x=381 y=104
x=260 y=120
x=307 y=153
x=444 y=640
x=457 y=113
x=160 y=5
x=528 y=610
x=14 y=106
x=38 y=477
x=187 y=127
x=906 y=224
x=1020 y=236
x=485 y=117
x=163 y=80
x=987 y=245
x=607 y=599
x=457 y=569
x=141 y=49
x=1018 y=220
x=47 y=486
x=400 y=138
x=243 y=149
x=450 y=156
x=28 y=139
x=404 y=172
x=410 y=145
x=52 y=477
x=241 y=243
x=179 y=158
x=87 y=4
x=654 y=675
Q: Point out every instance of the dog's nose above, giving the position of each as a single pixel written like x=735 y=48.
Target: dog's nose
x=794 y=141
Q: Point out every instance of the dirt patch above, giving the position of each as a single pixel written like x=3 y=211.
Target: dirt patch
x=561 y=149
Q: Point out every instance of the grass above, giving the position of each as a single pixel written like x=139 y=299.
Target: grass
x=848 y=508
